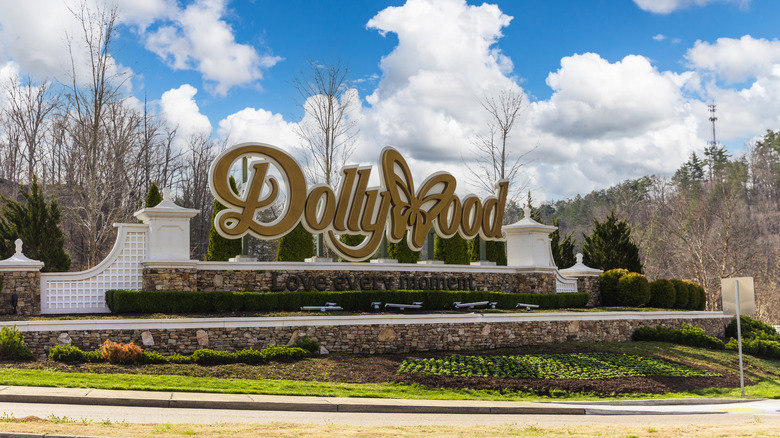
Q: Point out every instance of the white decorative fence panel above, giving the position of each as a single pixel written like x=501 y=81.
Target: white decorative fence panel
x=84 y=292
x=564 y=284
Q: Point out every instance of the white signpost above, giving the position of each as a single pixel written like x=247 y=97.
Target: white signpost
x=738 y=299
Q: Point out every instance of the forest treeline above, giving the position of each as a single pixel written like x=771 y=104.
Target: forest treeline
x=717 y=217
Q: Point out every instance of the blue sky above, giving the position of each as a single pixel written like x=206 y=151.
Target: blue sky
x=614 y=89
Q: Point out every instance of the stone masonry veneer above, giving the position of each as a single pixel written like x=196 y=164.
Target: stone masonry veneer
x=363 y=334
x=27 y=287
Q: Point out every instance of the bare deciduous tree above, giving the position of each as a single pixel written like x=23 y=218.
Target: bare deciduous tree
x=493 y=158
x=327 y=132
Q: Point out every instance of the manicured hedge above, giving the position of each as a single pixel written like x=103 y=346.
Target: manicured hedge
x=685 y=335
x=662 y=294
x=271 y=353
x=128 y=301
x=634 y=290
x=610 y=293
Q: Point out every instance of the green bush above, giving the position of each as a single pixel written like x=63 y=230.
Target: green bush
x=95 y=356
x=401 y=251
x=250 y=357
x=693 y=296
x=702 y=297
x=662 y=294
x=179 y=359
x=452 y=251
x=495 y=251
x=308 y=344
x=609 y=286
x=12 y=345
x=274 y=353
x=66 y=353
x=152 y=357
x=122 y=301
x=751 y=328
x=757 y=346
x=682 y=294
x=685 y=335
x=633 y=290
x=295 y=246
x=221 y=249
x=205 y=356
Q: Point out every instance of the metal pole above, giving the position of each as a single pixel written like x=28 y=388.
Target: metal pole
x=739 y=341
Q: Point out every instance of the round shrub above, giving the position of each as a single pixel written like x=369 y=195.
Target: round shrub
x=633 y=290
x=609 y=286
x=702 y=297
x=66 y=353
x=693 y=296
x=662 y=294
x=681 y=299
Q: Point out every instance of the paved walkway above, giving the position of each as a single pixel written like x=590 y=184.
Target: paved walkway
x=192 y=400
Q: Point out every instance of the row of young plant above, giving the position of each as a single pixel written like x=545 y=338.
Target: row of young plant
x=579 y=366
x=619 y=287
x=128 y=301
x=758 y=338
x=118 y=353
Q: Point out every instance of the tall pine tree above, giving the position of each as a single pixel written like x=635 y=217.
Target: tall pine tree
x=609 y=246
x=36 y=222
x=220 y=249
x=153 y=196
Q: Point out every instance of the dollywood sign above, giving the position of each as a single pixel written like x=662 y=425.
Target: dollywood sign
x=391 y=209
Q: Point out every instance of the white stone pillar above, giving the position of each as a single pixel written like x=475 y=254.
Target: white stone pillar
x=528 y=244
x=169 y=230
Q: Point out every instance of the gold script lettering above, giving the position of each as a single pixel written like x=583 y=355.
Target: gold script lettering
x=390 y=210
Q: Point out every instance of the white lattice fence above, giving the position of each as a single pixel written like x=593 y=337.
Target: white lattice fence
x=84 y=292
x=564 y=284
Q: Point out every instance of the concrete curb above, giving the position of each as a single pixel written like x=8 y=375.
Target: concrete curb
x=182 y=400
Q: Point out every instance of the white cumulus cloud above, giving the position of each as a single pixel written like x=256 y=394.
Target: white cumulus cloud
x=258 y=125
x=199 y=39
x=669 y=6
x=735 y=60
x=181 y=111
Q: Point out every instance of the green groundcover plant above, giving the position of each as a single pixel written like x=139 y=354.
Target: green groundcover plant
x=125 y=301
x=579 y=366
x=685 y=335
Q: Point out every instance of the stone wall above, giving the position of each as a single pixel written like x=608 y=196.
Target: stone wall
x=291 y=280
x=376 y=337
x=591 y=285
x=27 y=287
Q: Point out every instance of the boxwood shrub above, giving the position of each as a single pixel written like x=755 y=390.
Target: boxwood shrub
x=685 y=335
x=609 y=286
x=634 y=290
x=682 y=294
x=127 y=301
x=662 y=294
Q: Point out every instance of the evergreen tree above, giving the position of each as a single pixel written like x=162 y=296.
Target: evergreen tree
x=220 y=249
x=401 y=251
x=153 y=196
x=351 y=240
x=609 y=246
x=295 y=246
x=452 y=251
x=495 y=251
x=36 y=222
x=562 y=248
